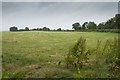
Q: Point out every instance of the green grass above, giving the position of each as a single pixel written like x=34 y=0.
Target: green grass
x=37 y=53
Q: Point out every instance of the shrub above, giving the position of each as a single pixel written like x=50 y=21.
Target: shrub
x=77 y=54
x=110 y=54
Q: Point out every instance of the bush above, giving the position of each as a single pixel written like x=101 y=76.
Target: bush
x=77 y=54
x=110 y=54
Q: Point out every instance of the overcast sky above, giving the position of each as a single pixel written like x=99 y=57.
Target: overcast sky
x=55 y=14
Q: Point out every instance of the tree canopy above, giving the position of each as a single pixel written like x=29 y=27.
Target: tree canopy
x=91 y=25
x=76 y=26
x=26 y=29
x=13 y=28
x=85 y=25
x=112 y=23
x=59 y=29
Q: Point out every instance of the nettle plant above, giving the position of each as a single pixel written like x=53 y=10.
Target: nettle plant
x=112 y=53
x=77 y=54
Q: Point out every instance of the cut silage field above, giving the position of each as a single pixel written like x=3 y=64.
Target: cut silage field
x=35 y=54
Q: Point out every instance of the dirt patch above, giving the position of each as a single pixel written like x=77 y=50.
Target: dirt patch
x=11 y=67
x=89 y=62
x=52 y=63
x=52 y=55
x=33 y=67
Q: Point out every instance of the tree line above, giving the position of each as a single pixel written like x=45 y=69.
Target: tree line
x=14 y=28
x=112 y=23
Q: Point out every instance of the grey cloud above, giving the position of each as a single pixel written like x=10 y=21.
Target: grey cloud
x=55 y=14
x=0 y=17
x=60 y=0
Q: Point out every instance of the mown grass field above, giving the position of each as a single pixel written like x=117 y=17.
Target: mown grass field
x=35 y=54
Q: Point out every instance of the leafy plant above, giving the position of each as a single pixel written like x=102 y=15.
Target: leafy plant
x=77 y=54
x=112 y=54
x=109 y=53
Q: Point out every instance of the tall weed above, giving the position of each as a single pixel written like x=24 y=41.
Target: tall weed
x=77 y=54
x=108 y=54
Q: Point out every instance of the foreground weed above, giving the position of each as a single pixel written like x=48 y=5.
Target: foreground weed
x=110 y=55
x=77 y=54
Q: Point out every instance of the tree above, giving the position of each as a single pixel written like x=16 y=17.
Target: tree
x=13 y=28
x=34 y=29
x=101 y=25
x=40 y=29
x=21 y=29
x=85 y=24
x=76 y=26
x=117 y=21
x=108 y=24
x=113 y=23
x=45 y=29
x=91 y=25
x=59 y=29
x=26 y=29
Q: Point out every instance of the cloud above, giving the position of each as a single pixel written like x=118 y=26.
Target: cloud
x=61 y=1
x=55 y=14
x=0 y=17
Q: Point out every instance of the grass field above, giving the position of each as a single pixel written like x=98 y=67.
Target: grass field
x=35 y=54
